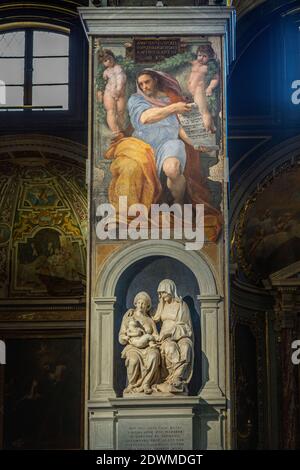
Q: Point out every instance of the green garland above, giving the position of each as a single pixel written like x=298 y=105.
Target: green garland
x=213 y=101
x=175 y=63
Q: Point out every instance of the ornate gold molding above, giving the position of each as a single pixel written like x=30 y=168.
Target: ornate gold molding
x=40 y=6
x=237 y=240
x=33 y=24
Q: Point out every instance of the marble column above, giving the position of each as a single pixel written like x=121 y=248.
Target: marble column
x=212 y=350
x=102 y=349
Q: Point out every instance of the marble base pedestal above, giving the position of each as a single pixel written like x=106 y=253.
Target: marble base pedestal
x=152 y=423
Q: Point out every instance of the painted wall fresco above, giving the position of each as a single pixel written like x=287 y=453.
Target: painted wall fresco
x=268 y=232
x=144 y=89
x=43 y=224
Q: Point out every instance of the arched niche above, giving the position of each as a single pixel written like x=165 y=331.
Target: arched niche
x=110 y=302
x=145 y=275
x=116 y=265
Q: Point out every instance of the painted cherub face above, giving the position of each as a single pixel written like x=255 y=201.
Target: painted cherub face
x=202 y=58
x=108 y=61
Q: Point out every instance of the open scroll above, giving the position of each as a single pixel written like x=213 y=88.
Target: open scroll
x=192 y=123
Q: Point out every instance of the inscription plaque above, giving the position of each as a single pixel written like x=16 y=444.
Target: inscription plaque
x=155 y=434
x=154 y=50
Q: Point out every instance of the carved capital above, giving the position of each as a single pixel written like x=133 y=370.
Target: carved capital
x=104 y=304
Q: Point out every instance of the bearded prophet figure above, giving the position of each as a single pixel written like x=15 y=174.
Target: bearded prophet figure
x=159 y=147
x=154 y=120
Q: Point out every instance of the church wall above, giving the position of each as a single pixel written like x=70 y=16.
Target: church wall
x=261 y=128
x=263 y=153
x=43 y=283
x=121 y=266
x=43 y=227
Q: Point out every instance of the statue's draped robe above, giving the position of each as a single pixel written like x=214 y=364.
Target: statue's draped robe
x=143 y=364
x=178 y=329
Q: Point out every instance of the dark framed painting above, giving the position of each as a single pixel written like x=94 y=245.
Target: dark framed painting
x=42 y=390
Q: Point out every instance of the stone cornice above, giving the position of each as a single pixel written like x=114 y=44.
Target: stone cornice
x=163 y=21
